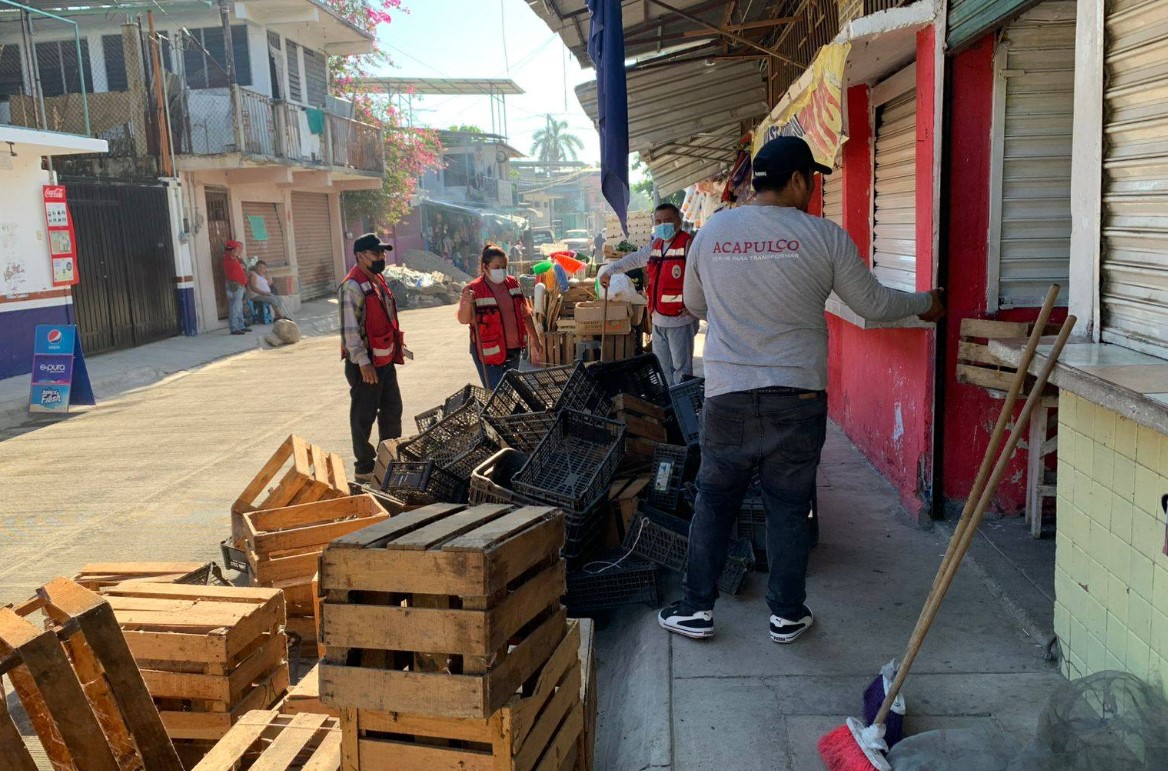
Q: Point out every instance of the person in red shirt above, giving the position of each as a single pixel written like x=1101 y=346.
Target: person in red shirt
x=235 y=274
x=499 y=317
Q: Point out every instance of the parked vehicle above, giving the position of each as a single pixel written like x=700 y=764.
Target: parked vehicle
x=579 y=241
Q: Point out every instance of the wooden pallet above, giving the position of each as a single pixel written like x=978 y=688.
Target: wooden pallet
x=265 y=739
x=305 y=697
x=977 y=366
x=73 y=673
x=298 y=472
x=539 y=729
x=98 y=575
x=588 y=693
x=445 y=610
x=208 y=654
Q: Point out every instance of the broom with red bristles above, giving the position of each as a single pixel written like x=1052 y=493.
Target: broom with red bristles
x=855 y=746
x=882 y=684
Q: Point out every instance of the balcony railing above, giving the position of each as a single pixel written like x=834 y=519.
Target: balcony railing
x=275 y=129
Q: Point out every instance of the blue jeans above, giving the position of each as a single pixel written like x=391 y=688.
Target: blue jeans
x=779 y=435
x=235 y=306
x=491 y=374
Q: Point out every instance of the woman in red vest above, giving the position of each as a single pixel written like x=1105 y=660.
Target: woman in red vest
x=499 y=317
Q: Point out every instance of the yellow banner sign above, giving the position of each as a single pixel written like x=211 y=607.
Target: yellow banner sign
x=813 y=107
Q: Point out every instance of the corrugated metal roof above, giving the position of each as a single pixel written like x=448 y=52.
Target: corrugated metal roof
x=685 y=120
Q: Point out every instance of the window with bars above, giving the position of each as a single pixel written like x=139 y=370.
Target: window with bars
x=59 y=70
x=205 y=57
x=11 y=71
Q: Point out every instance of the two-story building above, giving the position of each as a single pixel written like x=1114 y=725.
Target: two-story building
x=233 y=114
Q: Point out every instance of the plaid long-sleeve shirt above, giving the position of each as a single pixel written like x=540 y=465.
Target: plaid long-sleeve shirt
x=352 y=302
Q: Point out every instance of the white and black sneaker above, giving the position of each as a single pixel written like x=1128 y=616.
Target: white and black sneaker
x=697 y=625
x=786 y=630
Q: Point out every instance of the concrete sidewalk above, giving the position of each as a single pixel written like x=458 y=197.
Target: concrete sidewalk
x=116 y=373
x=742 y=702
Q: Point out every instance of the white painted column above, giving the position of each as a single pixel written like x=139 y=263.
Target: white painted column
x=1087 y=168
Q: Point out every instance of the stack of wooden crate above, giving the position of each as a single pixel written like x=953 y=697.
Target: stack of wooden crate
x=284 y=545
x=447 y=645
x=265 y=739
x=644 y=424
x=208 y=654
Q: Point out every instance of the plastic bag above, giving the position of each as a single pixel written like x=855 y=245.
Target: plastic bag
x=1108 y=721
x=954 y=749
x=620 y=287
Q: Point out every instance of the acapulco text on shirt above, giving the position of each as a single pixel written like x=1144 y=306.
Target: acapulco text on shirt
x=752 y=251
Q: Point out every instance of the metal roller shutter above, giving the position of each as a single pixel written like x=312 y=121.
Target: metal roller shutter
x=1030 y=236
x=970 y=19
x=894 y=253
x=272 y=249
x=314 y=244
x=833 y=197
x=1134 y=271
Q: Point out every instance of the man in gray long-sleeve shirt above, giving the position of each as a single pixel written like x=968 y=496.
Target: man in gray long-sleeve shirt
x=760 y=275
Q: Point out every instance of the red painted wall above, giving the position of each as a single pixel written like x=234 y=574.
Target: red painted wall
x=970 y=413
x=881 y=381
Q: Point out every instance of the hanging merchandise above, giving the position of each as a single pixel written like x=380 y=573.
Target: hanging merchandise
x=739 y=175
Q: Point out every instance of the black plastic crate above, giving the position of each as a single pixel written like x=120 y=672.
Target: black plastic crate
x=467 y=394
x=640 y=376
x=523 y=431
x=574 y=464
x=666 y=476
x=611 y=582
x=751 y=522
x=687 y=399
x=582 y=532
x=533 y=391
x=463 y=464
x=420 y=484
x=583 y=393
x=455 y=434
x=490 y=482
x=664 y=539
x=430 y=418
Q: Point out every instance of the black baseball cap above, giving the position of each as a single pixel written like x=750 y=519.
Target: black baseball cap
x=783 y=155
x=370 y=243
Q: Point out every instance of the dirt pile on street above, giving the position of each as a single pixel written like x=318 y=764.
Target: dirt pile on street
x=428 y=262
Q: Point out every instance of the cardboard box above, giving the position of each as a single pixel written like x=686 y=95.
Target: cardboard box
x=593 y=319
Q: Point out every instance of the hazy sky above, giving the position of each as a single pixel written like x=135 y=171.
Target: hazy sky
x=489 y=38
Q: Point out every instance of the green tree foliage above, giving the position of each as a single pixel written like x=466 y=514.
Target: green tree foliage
x=555 y=144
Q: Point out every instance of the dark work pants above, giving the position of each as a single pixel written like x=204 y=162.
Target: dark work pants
x=491 y=374
x=380 y=402
x=781 y=436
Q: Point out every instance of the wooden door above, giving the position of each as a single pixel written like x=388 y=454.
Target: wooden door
x=219 y=232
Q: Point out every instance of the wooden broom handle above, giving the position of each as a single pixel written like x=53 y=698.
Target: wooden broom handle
x=966 y=536
x=603 y=323
x=999 y=431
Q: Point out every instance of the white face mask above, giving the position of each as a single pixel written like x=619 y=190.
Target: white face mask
x=497 y=275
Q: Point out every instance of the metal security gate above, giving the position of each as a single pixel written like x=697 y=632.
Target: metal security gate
x=833 y=197
x=1134 y=273
x=126 y=295
x=313 y=229
x=1030 y=178
x=218 y=233
x=894 y=252
x=265 y=234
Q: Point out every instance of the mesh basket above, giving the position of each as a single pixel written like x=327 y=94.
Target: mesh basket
x=582 y=532
x=467 y=394
x=664 y=539
x=523 y=431
x=465 y=463
x=583 y=393
x=428 y=419
x=452 y=436
x=739 y=563
x=631 y=582
x=420 y=484
x=490 y=482
x=640 y=376
x=574 y=464
x=751 y=522
x=666 y=476
x=687 y=399
x=534 y=391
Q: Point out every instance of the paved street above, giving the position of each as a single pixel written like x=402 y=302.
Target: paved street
x=151 y=475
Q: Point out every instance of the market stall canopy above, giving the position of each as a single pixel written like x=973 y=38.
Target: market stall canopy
x=685 y=119
x=440 y=86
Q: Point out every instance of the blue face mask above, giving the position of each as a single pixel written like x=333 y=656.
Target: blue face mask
x=664 y=231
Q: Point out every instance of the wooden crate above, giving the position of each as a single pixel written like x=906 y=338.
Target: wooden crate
x=208 y=654
x=305 y=697
x=298 y=472
x=588 y=693
x=274 y=742
x=445 y=610
x=977 y=366
x=73 y=674
x=538 y=729
x=305 y=627
x=642 y=419
x=387 y=452
x=623 y=497
x=98 y=575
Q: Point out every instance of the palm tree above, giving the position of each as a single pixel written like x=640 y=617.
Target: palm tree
x=553 y=144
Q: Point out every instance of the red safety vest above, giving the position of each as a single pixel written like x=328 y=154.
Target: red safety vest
x=382 y=333
x=486 y=333
x=666 y=275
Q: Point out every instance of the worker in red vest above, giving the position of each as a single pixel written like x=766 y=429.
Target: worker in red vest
x=499 y=317
x=372 y=345
x=674 y=327
x=235 y=276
